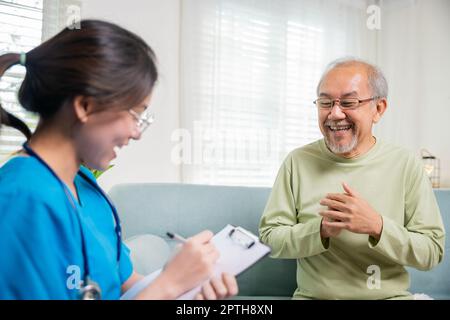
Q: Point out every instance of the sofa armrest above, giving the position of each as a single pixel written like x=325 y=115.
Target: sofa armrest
x=148 y=252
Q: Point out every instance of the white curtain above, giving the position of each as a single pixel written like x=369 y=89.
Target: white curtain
x=249 y=70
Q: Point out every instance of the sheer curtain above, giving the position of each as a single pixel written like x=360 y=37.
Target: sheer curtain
x=249 y=71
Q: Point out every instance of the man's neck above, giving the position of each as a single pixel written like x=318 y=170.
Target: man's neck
x=360 y=149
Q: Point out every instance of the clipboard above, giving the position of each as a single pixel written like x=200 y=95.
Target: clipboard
x=239 y=250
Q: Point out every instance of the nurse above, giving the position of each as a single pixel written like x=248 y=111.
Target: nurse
x=60 y=237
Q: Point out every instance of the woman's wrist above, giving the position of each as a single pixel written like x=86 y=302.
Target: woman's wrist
x=163 y=288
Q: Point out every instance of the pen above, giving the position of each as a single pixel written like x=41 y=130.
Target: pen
x=176 y=237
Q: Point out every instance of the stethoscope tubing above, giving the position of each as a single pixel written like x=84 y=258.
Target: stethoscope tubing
x=71 y=199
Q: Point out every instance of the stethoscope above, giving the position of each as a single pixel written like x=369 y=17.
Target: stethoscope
x=89 y=289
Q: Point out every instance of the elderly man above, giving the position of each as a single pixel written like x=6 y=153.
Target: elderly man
x=353 y=210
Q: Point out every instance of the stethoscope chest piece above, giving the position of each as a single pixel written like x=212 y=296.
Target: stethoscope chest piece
x=90 y=290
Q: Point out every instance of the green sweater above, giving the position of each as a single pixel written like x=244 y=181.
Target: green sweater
x=394 y=183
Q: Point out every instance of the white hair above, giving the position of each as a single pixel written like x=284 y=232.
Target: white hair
x=376 y=80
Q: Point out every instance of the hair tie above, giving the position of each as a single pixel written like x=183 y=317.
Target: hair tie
x=23 y=58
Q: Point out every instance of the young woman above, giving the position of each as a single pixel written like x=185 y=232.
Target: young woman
x=60 y=236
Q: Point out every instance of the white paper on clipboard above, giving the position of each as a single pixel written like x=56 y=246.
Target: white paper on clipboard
x=239 y=249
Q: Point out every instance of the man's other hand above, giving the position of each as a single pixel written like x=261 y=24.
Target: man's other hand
x=351 y=212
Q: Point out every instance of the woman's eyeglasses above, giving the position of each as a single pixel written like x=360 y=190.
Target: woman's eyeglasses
x=143 y=120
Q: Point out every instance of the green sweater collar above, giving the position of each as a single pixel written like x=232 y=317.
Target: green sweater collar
x=366 y=156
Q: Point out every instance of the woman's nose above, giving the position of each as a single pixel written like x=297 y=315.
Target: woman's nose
x=136 y=133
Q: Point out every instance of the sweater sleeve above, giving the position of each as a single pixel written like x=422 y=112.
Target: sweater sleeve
x=419 y=243
x=279 y=227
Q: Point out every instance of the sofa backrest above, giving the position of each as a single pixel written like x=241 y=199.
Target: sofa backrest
x=189 y=209
x=151 y=208
x=436 y=282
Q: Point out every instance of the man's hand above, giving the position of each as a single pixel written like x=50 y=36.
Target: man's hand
x=327 y=231
x=351 y=212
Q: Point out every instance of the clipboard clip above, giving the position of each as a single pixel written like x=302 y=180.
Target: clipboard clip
x=241 y=237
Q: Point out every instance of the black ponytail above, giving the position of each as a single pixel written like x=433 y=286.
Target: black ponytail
x=100 y=60
x=6 y=61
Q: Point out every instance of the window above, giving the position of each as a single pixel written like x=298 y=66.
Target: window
x=21 y=30
x=249 y=71
x=23 y=25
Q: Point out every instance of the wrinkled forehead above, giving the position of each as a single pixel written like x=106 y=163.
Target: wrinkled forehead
x=345 y=81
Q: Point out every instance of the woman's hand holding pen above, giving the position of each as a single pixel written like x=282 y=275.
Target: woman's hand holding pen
x=193 y=264
x=197 y=258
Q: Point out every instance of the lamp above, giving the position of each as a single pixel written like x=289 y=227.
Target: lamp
x=431 y=165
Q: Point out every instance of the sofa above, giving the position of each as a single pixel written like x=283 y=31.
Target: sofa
x=149 y=210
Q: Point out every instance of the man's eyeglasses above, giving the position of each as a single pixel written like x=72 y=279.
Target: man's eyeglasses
x=346 y=104
x=143 y=120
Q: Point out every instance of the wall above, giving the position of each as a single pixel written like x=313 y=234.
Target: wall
x=158 y=23
x=414 y=53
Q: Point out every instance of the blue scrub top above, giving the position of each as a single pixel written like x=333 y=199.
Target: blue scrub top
x=40 y=238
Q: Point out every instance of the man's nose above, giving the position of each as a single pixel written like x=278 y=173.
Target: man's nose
x=336 y=112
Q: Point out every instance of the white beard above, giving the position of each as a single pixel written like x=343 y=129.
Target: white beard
x=339 y=149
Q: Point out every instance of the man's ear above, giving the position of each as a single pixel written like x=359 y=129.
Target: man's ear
x=83 y=107
x=381 y=108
